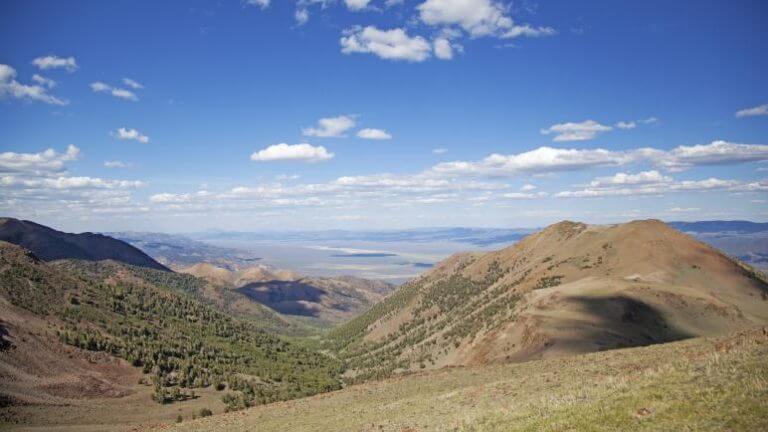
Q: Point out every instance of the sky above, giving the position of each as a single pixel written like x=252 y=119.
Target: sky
x=182 y=116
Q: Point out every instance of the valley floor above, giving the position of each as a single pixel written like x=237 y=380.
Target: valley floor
x=699 y=384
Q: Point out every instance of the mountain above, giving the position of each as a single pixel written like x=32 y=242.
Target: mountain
x=747 y=241
x=73 y=330
x=571 y=288
x=177 y=251
x=49 y=244
x=720 y=227
x=319 y=300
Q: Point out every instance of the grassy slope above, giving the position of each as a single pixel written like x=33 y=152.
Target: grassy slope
x=699 y=384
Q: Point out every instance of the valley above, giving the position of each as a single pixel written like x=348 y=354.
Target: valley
x=492 y=338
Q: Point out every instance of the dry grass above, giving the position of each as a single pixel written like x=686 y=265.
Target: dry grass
x=701 y=384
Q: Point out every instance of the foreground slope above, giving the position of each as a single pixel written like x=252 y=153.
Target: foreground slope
x=320 y=300
x=129 y=323
x=571 y=288
x=703 y=384
x=49 y=244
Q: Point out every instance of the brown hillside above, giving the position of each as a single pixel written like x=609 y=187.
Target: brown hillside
x=322 y=300
x=571 y=288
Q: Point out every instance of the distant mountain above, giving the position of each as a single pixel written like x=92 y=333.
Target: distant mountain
x=720 y=227
x=177 y=251
x=472 y=236
x=317 y=300
x=571 y=288
x=49 y=244
x=747 y=241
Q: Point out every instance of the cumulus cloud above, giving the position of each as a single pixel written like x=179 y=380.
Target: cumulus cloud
x=10 y=88
x=549 y=159
x=132 y=83
x=330 y=127
x=440 y=151
x=528 y=187
x=394 y=44
x=116 y=164
x=644 y=177
x=583 y=131
x=43 y=81
x=356 y=5
x=53 y=62
x=663 y=185
x=297 y=152
x=260 y=3
x=715 y=153
x=301 y=16
x=760 y=110
x=477 y=18
x=48 y=161
x=443 y=49
x=131 y=135
x=38 y=183
x=374 y=134
x=524 y=195
x=100 y=87
x=65 y=182
x=626 y=125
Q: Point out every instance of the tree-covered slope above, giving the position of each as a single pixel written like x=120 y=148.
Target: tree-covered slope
x=178 y=341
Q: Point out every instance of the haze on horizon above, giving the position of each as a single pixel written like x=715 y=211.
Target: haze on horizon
x=321 y=114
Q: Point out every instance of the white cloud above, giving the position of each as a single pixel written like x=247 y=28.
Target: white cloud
x=132 y=84
x=116 y=164
x=761 y=110
x=331 y=127
x=549 y=159
x=583 y=131
x=540 y=160
x=170 y=198
x=47 y=161
x=11 y=88
x=683 y=209
x=298 y=152
x=374 y=134
x=301 y=15
x=43 y=81
x=443 y=49
x=130 y=134
x=260 y=3
x=528 y=187
x=644 y=177
x=598 y=189
x=626 y=125
x=524 y=195
x=528 y=31
x=394 y=44
x=356 y=5
x=440 y=151
x=54 y=62
x=70 y=183
x=477 y=17
x=715 y=153
x=100 y=87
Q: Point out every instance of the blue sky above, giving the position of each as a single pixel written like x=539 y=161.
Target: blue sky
x=189 y=115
